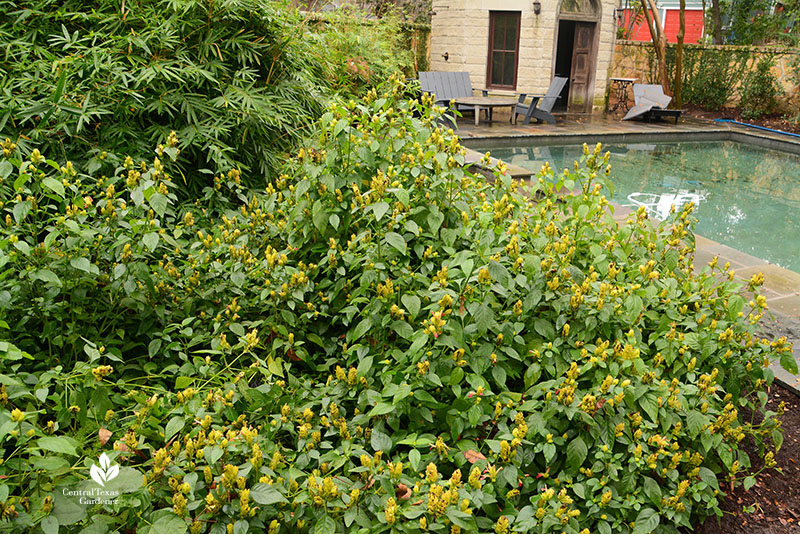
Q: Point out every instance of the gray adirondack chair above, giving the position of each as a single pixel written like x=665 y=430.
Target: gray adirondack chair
x=540 y=107
x=446 y=86
x=650 y=102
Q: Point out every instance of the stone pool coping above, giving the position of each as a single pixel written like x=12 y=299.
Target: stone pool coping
x=781 y=286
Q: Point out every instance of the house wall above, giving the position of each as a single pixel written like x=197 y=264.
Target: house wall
x=694 y=25
x=460 y=28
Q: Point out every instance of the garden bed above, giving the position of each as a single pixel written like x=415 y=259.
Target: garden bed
x=772 y=506
x=775 y=121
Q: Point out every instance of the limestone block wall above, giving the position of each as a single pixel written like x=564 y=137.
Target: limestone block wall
x=460 y=28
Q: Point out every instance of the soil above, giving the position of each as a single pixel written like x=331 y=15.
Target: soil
x=776 y=121
x=772 y=506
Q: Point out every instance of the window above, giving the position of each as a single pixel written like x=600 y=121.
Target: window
x=503 y=49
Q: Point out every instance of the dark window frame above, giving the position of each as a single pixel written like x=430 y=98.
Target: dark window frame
x=489 y=62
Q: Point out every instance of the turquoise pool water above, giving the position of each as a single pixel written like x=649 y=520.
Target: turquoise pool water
x=747 y=197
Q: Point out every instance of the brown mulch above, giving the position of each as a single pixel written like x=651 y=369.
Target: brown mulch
x=772 y=506
x=776 y=121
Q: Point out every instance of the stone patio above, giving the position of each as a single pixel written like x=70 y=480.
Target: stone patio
x=781 y=286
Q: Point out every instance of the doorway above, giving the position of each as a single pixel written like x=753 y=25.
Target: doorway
x=575 y=55
x=563 y=68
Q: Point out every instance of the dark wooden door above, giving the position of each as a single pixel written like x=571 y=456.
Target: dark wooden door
x=582 y=71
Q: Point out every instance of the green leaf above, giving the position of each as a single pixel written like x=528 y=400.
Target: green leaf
x=749 y=482
x=380 y=209
x=23 y=247
x=646 y=521
x=5 y=169
x=49 y=525
x=212 y=454
x=576 y=453
x=402 y=196
x=169 y=524
x=708 y=476
x=58 y=444
x=412 y=304
x=695 y=421
x=238 y=278
x=319 y=216
x=46 y=275
x=67 y=510
x=649 y=403
x=326 y=525
x=652 y=490
x=21 y=210
x=82 y=264
x=150 y=240
x=403 y=329
x=380 y=441
x=414 y=458
x=174 y=426
x=362 y=328
x=183 y=382
x=789 y=363
x=159 y=204
x=549 y=451
x=266 y=494
x=484 y=316
x=53 y=185
x=382 y=408
x=396 y=241
x=334 y=221
x=462 y=519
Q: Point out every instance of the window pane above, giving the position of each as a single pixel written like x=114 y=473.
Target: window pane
x=511 y=34
x=497 y=68
x=508 y=69
x=499 y=32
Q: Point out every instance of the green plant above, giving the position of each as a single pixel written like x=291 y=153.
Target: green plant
x=710 y=75
x=380 y=340
x=239 y=80
x=369 y=50
x=760 y=90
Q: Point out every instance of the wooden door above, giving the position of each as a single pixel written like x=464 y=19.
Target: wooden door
x=582 y=72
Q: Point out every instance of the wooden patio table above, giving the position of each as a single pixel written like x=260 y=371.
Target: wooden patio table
x=487 y=103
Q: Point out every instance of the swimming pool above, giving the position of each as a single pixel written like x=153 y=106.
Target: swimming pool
x=747 y=197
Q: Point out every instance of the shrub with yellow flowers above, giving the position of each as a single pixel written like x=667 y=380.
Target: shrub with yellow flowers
x=379 y=341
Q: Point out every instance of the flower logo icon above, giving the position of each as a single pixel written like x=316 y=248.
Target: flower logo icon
x=105 y=472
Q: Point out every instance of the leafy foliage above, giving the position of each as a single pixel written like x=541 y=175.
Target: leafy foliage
x=760 y=90
x=239 y=80
x=379 y=341
x=710 y=75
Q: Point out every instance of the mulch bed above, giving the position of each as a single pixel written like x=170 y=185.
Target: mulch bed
x=776 y=121
x=772 y=506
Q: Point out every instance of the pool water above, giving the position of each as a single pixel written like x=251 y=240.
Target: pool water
x=747 y=197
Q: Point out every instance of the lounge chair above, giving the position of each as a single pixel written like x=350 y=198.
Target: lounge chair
x=541 y=106
x=650 y=103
